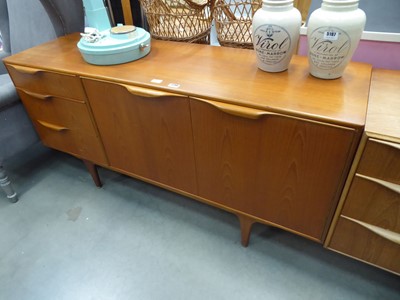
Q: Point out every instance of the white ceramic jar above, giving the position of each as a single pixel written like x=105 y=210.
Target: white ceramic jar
x=333 y=33
x=276 y=29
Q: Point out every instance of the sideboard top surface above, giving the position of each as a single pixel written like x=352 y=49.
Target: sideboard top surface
x=219 y=73
x=383 y=117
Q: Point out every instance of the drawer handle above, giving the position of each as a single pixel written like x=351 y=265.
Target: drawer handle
x=391 y=186
x=52 y=126
x=385 y=233
x=240 y=111
x=149 y=93
x=26 y=70
x=38 y=96
x=393 y=145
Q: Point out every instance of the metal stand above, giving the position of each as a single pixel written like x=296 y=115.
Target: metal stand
x=5 y=185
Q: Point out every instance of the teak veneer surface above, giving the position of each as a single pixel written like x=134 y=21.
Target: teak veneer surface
x=150 y=137
x=224 y=74
x=384 y=108
x=276 y=168
x=366 y=225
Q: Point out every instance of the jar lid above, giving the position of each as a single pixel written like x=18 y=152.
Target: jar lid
x=278 y=2
x=341 y=1
x=340 y=4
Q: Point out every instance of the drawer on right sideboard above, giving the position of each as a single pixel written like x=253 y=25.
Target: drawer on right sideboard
x=381 y=160
x=368 y=227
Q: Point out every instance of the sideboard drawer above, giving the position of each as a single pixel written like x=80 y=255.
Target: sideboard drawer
x=375 y=202
x=360 y=241
x=381 y=159
x=47 y=83
x=368 y=226
x=65 y=125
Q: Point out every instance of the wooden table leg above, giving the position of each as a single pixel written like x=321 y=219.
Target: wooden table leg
x=6 y=186
x=93 y=172
x=245 y=229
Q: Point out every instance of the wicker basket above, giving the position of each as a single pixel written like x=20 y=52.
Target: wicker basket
x=233 y=20
x=179 y=20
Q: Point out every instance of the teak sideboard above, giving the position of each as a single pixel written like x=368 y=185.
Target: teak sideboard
x=204 y=122
x=367 y=222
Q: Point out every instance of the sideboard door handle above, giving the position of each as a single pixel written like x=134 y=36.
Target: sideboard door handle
x=393 y=145
x=150 y=93
x=26 y=70
x=391 y=186
x=38 y=96
x=385 y=233
x=245 y=112
x=52 y=126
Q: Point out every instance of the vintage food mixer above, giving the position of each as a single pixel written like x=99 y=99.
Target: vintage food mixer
x=102 y=44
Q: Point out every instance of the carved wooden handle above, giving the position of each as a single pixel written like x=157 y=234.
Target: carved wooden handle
x=149 y=93
x=390 y=144
x=385 y=233
x=391 y=186
x=245 y=112
x=52 y=126
x=26 y=70
x=38 y=96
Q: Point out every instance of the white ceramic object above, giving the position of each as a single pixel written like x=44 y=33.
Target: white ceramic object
x=333 y=33
x=276 y=30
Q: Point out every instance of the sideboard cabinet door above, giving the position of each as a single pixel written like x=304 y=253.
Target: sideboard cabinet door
x=284 y=170
x=146 y=133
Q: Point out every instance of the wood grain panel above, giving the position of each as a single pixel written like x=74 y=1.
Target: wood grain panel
x=47 y=83
x=283 y=170
x=222 y=73
x=65 y=125
x=303 y=6
x=384 y=105
x=147 y=136
x=381 y=161
x=357 y=241
x=374 y=204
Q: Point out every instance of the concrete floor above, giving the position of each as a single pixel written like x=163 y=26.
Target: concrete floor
x=67 y=239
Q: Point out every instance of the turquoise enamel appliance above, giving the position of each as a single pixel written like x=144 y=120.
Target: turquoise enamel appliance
x=102 y=44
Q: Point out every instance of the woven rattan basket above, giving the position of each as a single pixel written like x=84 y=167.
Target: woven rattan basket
x=179 y=20
x=233 y=20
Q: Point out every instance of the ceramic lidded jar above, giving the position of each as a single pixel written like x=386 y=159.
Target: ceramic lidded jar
x=276 y=30
x=333 y=33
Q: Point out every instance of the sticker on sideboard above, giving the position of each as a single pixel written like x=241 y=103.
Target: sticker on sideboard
x=174 y=85
x=155 y=80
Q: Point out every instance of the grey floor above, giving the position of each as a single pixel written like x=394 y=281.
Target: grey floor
x=67 y=239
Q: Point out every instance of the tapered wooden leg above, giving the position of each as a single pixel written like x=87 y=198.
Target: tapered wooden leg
x=93 y=172
x=6 y=186
x=245 y=229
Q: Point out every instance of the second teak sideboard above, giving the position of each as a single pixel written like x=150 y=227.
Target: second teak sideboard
x=204 y=122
